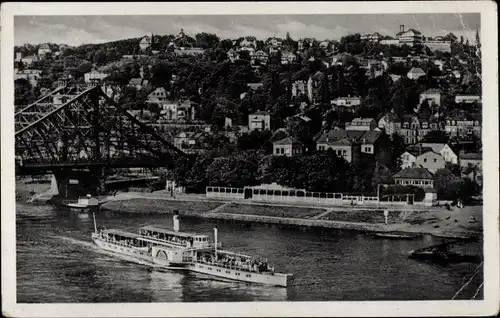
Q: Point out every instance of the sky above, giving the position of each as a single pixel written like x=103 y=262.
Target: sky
x=77 y=30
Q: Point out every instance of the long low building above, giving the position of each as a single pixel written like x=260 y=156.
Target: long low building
x=277 y=193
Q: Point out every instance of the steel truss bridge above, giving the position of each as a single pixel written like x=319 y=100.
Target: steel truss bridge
x=81 y=127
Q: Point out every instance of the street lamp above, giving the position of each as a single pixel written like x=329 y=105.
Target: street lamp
x=378 y=194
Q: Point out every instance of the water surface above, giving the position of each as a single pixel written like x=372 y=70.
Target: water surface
x=57 y=262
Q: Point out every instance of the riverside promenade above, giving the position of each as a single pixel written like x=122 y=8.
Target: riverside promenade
x=436 y=221
x=411 y=219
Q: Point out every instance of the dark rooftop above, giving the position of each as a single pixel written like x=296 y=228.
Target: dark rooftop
x=414 y=173
x=287 y=141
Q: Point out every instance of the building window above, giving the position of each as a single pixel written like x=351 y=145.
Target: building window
x=425 y=159
x=277 y=150
x=435 y=160
x=344 y=152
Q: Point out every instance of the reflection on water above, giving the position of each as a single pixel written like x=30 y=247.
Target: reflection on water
x=57 y=262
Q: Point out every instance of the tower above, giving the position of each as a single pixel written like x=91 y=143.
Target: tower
x=478 y=40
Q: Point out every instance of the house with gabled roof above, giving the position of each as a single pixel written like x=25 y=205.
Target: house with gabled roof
x=145 y=43
x=44 y=49
x=233 y=55
x=409 y=157
x=249 y=41
x=138 y=82
x=260 y=120
x=387 y=123
x=193 y=141
x=415 y=73
x=409 y=37
x=352 y=144
x=414 y=128
x=444 y=150
x=417 y=176
x=364 y=124
x=287 y=57
x=432 y=96
x=260 y=57
x=158 y=95
x=288 y=146
x=430 y=160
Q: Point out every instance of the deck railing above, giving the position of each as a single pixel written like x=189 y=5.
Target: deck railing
x=234 y=267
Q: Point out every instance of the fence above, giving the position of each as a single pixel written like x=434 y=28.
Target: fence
x=292 y=196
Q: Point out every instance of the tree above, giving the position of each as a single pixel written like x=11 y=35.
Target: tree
x=398 y=69
x=195 y=179
x=467 y=189
x=381 y=175
x=255 y=140
x=397 y=148
x=235 y=171
x=207 y=40
x=453 y=168
x=450 y=37
x=361 y=174
x=161 y=75
x=446 y=184
x=23 y=92
x=99 y=58
x=225 y=44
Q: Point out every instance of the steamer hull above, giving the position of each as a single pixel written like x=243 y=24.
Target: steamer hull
x=276 y=279
x=139 y=253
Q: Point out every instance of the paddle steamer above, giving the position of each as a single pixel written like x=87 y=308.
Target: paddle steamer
x=189 y=251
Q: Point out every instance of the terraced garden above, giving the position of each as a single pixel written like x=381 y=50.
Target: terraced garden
x=279 y=211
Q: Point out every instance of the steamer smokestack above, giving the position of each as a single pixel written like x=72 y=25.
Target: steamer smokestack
x=176 y=221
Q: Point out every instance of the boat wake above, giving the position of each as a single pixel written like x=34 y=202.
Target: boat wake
x=75 y=241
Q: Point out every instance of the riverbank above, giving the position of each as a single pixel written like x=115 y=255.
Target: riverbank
x=438 y=222
x=441 y=223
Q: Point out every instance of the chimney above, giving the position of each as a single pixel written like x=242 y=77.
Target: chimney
x=176 y=221
x=402 y=28
x=18 y=55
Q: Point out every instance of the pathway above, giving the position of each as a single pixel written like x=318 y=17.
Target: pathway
x=161 y=195
x=319 y=216
x=219 y=208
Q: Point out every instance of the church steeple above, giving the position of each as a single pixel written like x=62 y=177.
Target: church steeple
x=478 y=44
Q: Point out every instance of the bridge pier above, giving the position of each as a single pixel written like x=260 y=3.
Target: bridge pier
x=71 y=183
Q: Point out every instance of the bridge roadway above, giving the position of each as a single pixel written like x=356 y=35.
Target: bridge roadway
x=42 y=168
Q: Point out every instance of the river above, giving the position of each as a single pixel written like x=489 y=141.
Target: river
x=57 y=262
